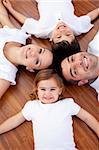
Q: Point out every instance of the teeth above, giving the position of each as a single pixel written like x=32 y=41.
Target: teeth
x=86 y=63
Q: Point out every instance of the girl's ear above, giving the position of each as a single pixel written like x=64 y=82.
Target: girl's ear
x=60 y=91
x=29 y=69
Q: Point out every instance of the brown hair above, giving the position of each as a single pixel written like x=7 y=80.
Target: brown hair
x=45 y=75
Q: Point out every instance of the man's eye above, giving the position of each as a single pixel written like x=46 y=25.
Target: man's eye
x=72 y=59
x=75 y=72
x=58 y=37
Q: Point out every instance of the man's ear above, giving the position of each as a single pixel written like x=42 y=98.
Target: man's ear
x=29 y=69
x=82 y=82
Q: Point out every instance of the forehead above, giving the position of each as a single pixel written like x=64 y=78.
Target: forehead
x=45 y=59
x=47 y=83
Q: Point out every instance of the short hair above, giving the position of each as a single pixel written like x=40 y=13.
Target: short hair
x=45 y=75
x=62 y=50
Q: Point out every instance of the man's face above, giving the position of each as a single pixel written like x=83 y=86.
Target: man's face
x=80 y=66
x=36 y=57
x=62 y=32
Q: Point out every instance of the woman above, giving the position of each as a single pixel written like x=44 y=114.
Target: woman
x=14 y=53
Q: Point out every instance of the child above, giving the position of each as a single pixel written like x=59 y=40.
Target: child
x=50 y=114
x=57 y=22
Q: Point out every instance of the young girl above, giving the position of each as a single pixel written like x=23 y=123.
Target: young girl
x=50 y=114
x=14 y=52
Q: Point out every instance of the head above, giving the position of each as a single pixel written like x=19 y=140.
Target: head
x=63 y=50
x=80 y=67
x=48 y=87
x=62 y=33
x=35 y=57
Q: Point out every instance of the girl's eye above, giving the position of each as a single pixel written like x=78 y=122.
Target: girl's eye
x=52 y=89
x=42 y=89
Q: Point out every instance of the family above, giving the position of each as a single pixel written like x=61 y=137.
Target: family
x=66 y=59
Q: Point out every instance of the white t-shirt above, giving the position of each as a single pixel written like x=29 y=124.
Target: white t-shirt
x=93 y=48
x=7 y=69
x=52 y=123
x=53 y=11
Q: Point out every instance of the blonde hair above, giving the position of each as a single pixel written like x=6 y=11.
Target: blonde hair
x=46 y=74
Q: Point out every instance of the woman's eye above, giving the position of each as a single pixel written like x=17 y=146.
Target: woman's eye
x=40 y=51
x=37 y=62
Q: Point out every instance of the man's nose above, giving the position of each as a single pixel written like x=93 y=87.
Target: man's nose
x=77 y=63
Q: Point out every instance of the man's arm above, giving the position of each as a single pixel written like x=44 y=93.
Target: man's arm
x=4 y=85
x=89 y=120
x=93 y=14
x=12 y=123
x=20 y=17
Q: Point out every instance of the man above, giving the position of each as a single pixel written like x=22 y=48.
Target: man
x=83 y=67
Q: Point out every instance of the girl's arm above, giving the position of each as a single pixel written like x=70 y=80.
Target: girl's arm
x=93 y=14
x=89 y=120
x=20 y=17
x=4 y=85
x=12 y=123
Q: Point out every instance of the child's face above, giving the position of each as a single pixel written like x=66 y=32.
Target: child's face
x=62 y=33
x=48 y=91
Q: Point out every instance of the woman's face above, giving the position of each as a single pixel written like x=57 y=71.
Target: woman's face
x=36 y=57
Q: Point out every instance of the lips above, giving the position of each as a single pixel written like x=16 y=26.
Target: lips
x=48 y=98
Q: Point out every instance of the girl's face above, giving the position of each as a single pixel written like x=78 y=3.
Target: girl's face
x=48 y=91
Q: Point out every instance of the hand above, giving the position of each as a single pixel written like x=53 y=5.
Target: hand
x=7 y=4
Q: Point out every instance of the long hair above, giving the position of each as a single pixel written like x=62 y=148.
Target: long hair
x=46 y=74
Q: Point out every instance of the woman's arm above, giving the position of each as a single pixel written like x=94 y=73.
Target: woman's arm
x=20 y=17
x=93 y=14
x=89 y=120
x=4 y=85
x=12 y=123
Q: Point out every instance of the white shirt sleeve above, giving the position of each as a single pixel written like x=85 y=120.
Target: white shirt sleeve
x=84 y=24
x=27 y=111
x=74 y=108
x=31 y=26
x=93 y=46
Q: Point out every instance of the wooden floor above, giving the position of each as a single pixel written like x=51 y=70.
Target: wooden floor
x=21 y=138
